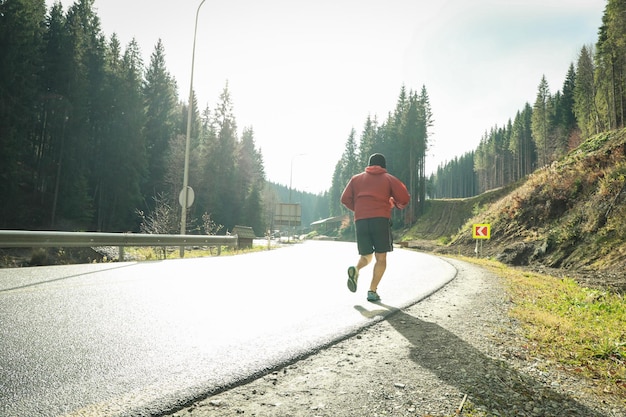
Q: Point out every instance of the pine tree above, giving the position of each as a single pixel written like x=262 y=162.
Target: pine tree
x=161 y=127
x=346 y=168
x=368 y=140
x=425 y=122
x=585 y=107
x=541 y=123
x=336 y=189
x=481 y=164
x=396 y=146
x=566 y=116
x=219 y=177
x=251 y=179
x=349 y=159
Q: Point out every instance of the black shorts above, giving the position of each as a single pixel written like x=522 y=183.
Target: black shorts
x=374 y=235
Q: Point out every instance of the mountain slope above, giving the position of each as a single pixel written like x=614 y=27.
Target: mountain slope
x=569 y=215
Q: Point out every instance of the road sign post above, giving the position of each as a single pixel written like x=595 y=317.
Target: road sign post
x=480 y=232
x=185 y=198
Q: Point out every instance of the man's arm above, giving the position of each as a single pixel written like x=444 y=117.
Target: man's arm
x=399 y=194
x=347 y=197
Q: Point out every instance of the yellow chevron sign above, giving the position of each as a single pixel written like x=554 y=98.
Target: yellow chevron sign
x=481 y=231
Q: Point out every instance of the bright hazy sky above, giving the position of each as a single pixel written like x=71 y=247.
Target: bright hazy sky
x=304 y=73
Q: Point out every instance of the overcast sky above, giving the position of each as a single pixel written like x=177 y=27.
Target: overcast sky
x=302 y=74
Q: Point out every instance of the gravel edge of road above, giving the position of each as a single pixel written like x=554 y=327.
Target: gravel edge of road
x=421 y=361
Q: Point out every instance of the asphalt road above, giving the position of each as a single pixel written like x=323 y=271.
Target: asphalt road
x=143 y=338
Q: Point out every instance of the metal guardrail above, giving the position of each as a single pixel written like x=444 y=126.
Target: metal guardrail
x=32 y=239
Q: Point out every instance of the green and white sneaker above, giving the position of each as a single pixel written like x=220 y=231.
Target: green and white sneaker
x=373 y=296
x=353 y=277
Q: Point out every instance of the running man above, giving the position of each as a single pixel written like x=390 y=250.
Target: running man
x=371 y=195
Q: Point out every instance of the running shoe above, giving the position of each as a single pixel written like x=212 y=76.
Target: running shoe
x=373 y=296
x=353 y=277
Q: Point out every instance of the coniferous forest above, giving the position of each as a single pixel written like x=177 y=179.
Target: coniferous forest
x=403 y=139
x=93 y=138
x=591 y=100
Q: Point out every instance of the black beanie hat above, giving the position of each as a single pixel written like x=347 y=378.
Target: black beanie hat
x=378 y=159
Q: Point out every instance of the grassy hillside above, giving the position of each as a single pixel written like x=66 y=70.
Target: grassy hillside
x=566 y=221
x=444 y=218
x=569 y=215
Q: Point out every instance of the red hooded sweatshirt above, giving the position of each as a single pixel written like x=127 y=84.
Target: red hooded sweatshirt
x=374 y=193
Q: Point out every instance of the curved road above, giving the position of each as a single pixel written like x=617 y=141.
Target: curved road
x=143 y=338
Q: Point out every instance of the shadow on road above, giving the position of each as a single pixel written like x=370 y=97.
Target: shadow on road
x=62 y=278
x=489 y=383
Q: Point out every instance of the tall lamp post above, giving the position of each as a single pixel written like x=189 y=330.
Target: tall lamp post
x=290 y=178
x=185 y=190
x=291 y=172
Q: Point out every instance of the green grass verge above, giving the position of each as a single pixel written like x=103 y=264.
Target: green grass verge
x=149 y=253
x=582 y=330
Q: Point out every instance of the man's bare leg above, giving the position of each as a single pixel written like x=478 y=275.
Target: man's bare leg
x=364 y=260
x=353 y=271
x=379 y=269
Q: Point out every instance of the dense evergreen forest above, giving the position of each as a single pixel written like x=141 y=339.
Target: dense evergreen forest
x=591 y=100
x=93 y=138
x=403 y=139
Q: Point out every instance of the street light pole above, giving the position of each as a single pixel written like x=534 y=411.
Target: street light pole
x=183 y=217
x=290 y=178
x=291 y=173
